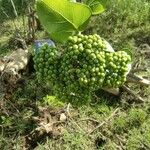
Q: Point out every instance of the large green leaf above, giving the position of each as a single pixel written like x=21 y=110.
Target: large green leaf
x=61 y=18
x=95 y=5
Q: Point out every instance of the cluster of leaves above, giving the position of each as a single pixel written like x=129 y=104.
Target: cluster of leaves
x=83 y=67
x=64 y=17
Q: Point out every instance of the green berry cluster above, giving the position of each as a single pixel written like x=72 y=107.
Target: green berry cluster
x=84 y=66
x=83 y=62
x=116 y=68
x=45 y=63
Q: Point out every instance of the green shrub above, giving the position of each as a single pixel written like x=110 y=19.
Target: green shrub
x=53 y=101
x=134 y=140
x=120 y=124
x=136 y=117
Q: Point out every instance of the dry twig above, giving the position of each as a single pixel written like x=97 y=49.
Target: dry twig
x=140 y=99
x=136 y=79
x=114 y=91
x=89 y=119
x=72 y=120
x=105 y=121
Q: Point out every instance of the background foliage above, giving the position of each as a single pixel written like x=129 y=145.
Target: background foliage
x=124 y=23
x=6 y=8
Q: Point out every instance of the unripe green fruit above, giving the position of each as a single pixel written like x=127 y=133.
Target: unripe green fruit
x=84 y=66
x=89 y=46
x=75 y=47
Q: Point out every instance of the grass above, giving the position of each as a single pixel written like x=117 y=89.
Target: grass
x=8 y=32
x=75 y=131
x=125 y=24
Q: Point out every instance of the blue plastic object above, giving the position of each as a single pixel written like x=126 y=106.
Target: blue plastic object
x=39 y=43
